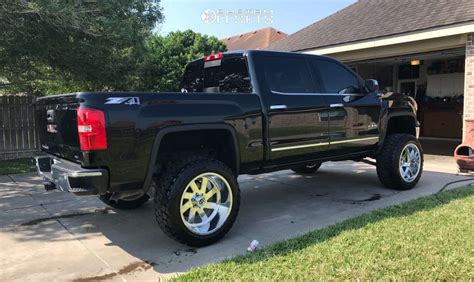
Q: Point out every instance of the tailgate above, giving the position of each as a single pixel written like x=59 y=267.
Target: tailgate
x=57 y=125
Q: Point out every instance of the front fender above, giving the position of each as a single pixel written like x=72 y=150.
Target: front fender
x=396 y=105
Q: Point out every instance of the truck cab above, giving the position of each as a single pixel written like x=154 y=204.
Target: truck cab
x=316 y=108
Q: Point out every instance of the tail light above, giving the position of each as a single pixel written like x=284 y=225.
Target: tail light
x=213 y=57
x=91 y=128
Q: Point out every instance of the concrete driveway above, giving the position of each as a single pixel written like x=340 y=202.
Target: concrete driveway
x=47 y=235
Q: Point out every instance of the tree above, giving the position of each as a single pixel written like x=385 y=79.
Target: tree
x=166 y=57
x=73 y=44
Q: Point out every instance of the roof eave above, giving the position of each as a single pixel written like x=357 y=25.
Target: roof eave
x=418 y=35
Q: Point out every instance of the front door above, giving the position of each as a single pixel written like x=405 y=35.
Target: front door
x=354 y=115
x=297 y=118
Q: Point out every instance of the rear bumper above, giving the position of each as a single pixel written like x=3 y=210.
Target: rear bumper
x=71 y=177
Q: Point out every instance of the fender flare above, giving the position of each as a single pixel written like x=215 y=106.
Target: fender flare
x=383 y=133
x=182 y=128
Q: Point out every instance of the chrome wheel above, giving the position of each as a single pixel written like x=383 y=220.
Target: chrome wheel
x=206 y=203
x=410 y=162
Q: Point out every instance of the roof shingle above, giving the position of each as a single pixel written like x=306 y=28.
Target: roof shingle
x=258 y=39
x=367 y=19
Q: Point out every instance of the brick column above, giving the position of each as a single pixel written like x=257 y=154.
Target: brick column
x=469 y=83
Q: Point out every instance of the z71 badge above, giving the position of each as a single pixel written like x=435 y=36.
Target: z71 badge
x=123 y=100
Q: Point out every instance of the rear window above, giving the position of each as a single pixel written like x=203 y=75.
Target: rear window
x=228 y=75
x=193 y=77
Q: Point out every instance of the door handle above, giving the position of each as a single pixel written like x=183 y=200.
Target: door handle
x=336 y=105
x=278 y=107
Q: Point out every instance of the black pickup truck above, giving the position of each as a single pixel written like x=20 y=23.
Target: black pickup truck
x=238 y=113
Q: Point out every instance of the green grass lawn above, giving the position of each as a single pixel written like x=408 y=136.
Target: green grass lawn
x=428 y=238
x=16 y=166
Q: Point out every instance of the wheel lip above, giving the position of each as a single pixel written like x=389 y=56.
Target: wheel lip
x=188 y=225
x=418 y=163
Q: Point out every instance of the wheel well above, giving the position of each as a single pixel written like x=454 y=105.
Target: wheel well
x=401 y=124
x=218 y=143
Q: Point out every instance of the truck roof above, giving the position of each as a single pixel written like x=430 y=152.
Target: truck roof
x=246 y=52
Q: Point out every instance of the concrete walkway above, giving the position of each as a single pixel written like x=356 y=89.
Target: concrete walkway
x=54 y=235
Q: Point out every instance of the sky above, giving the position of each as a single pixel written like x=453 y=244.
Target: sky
x=226 y=18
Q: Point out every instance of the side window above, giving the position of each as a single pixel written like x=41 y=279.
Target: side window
x=335 y=78
x=236 y=77
x=288 y=75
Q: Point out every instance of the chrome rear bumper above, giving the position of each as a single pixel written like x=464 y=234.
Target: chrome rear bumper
x=71 y=177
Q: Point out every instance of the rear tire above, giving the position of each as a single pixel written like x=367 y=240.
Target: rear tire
x=307 y=169
x=124 y=204
x=400 y=162
x=199 y=214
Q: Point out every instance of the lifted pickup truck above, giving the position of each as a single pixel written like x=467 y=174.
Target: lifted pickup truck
x=239 y=113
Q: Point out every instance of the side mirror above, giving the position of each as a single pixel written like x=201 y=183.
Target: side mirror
x=372 y=85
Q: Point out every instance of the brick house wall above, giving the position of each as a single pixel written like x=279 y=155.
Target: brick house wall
x=469 y=83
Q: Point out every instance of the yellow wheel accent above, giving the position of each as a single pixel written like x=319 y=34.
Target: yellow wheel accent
x=206 y=203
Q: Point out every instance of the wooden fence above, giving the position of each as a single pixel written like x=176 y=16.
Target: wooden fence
x=18 y=135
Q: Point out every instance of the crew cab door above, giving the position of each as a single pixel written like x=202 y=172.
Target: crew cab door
x=297 y=127
x=353 y=114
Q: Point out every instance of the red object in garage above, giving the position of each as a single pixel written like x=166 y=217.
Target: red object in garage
x=464 y=153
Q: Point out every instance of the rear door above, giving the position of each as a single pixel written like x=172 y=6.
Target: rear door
x=353 y=114
x=297 y=124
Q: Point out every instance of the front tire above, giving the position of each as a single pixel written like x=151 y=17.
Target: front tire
x=400 y=162
x=197 y=200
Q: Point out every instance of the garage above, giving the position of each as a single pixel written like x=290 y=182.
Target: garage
x=435 y=80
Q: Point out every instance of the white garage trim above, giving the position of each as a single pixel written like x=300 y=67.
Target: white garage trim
x=397 y=39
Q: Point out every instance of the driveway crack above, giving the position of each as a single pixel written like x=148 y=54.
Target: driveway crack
x=11 y=178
